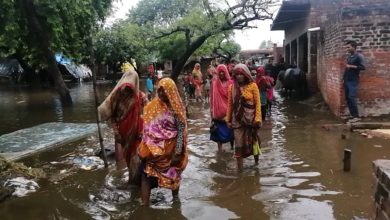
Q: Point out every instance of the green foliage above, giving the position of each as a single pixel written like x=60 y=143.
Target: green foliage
x=219 y=45
x=176 y=29
x=211 y=44
x=136 y=37
x=70 y=25
x=197 y=27
x=121 y=42
x=228 y=49
x=10 y=30
x=162 y=13
x=172 y=47
x=164 y=16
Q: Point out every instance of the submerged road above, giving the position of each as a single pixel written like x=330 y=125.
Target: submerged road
x=299 y=177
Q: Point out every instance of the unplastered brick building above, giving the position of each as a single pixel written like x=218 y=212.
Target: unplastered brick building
x=315 y=36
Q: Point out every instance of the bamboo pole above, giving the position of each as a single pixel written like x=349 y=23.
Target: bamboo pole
x=97 y=105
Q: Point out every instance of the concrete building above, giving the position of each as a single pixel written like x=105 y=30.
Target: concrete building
x=261 y=55
x=315 y=34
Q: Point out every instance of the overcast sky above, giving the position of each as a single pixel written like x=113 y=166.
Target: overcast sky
x=248 y=39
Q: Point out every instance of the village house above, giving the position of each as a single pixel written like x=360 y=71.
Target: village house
x=259 y=55
x=315 y=35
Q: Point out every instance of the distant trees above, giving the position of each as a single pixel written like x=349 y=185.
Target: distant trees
x=33 y=30
x=182 y=27
x=121 y=42
x=265 y=44
x=227 y=49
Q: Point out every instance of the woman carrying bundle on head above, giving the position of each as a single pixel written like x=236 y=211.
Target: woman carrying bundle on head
x=123 y=109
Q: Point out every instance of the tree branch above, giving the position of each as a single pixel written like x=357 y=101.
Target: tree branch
x=239 y=16
x=188 y=39
x=210 y=12
x=219 y=48
x=178 y=29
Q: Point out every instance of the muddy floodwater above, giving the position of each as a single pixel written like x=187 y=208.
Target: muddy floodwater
x=300 y=175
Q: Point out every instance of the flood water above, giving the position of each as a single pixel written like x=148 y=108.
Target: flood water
x=300 y=174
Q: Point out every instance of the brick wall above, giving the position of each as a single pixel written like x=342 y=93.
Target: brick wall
x=367 y=22
x=381 y=189
x=330 y=61
x=311 y=75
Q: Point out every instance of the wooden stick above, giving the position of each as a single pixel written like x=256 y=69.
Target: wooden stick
x=347 y=159
x=97 y=105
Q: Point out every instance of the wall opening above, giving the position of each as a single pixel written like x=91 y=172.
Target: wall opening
x=303 y=52
x=293 y=52
x=287 y=55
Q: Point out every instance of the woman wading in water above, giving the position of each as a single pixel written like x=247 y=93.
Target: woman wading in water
x=244 y=114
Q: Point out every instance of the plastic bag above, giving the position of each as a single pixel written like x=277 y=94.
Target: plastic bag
x=256 y=148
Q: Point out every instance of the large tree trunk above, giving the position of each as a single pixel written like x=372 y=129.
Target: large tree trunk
x=183 y=59
x=38 y=31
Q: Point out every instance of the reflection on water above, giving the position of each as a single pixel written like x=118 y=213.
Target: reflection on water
x=58 y=109
x=299 y=177
x=22 y=107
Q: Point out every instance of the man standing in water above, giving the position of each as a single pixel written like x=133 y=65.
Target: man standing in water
x=355 y=63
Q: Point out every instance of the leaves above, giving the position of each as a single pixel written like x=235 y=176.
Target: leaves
x=70 y=25
x=121 y=42
x=154 y=30
x=182 y=28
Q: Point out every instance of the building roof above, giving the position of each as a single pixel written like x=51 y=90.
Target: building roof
x=291 y=12
x=256 y=51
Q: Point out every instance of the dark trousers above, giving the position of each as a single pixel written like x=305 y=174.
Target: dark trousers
x=351 y=88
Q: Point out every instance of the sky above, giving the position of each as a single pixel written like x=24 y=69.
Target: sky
x=248 y=39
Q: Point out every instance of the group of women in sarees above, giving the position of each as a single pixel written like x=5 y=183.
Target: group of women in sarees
x=235 y=112
x=151 y=137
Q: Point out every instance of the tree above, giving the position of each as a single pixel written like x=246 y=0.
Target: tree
x=263 y=44
x=122 y=42
x=196 y=21
x=227 y=50
x=33 y=30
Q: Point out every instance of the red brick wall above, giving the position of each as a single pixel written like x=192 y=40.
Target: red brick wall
x=329 y=67
x=367 y=22
x=370 y=26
